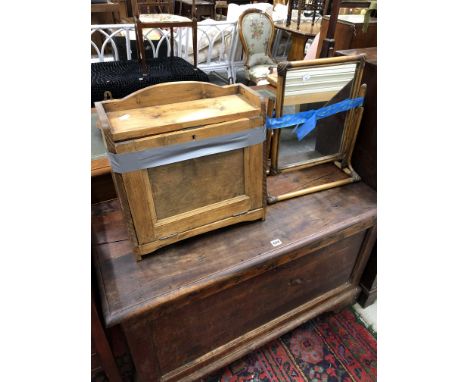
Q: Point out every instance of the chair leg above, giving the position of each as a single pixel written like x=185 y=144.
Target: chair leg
x=102 y=347
x=172 y=42
x=194 y=42
x=234 y=75
x=141 y=47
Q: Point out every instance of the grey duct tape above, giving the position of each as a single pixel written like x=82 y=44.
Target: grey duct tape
x=161 y=156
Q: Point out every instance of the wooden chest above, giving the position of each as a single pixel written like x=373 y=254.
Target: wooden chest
x=187 y=158
x=204 y=302
x=349 y=33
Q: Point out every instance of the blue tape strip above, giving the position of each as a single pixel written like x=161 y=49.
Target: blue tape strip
x=308 y=119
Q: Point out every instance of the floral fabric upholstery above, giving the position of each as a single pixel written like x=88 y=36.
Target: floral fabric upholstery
x=257 y=30
x=258 y=72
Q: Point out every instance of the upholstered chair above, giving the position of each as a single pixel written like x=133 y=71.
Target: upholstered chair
x=256 y=35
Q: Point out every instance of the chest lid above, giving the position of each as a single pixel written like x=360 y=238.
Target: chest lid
x=169 y=107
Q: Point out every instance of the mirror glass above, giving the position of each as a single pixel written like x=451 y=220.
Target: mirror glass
x=312 y=88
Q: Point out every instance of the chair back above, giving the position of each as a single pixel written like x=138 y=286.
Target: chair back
x=256 y=31
x=165 y=21
x=152 y=6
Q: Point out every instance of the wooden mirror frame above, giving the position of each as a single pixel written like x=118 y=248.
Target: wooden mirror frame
x=342 y=159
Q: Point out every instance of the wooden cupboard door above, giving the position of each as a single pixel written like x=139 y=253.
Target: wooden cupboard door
x=185 y=186
x=167 y=200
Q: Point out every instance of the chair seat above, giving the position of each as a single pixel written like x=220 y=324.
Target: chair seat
x=122 y=78
x=259 y=72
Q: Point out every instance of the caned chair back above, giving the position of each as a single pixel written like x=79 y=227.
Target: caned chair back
x=256 y=35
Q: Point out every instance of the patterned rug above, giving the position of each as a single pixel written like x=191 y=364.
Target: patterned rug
x=330 y=348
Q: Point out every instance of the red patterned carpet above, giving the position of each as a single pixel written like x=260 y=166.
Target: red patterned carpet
x=330 y=348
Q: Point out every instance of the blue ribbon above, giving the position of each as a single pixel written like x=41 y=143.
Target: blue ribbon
x=308 y=119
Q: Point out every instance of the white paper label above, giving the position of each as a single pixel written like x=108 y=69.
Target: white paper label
x=276 y=242
x=124 y=117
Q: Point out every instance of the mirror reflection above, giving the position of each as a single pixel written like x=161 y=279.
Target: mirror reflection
x=308 y=89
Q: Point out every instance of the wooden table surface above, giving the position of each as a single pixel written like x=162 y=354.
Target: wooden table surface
x=305 y=28
x=195 y=267
x=299 y=37
x=99 y=163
